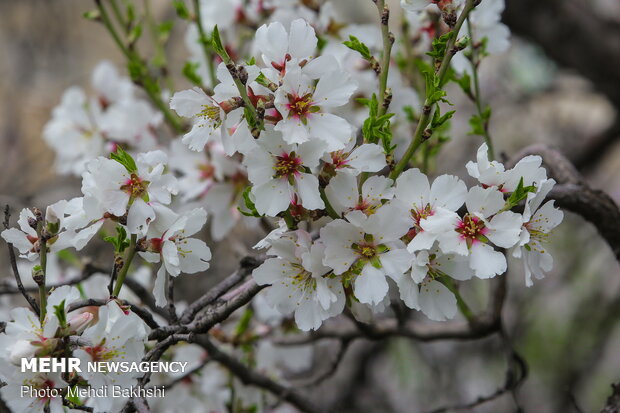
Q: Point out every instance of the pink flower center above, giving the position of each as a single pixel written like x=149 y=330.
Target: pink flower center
x=135 y=186
x=339 y=159
x=287 y=164
x=472 y=228
x=301 y=107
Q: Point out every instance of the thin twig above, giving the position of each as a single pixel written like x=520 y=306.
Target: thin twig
x=13 y=260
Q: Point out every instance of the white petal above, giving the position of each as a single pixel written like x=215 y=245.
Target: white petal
x=188 y=103
x=486 y=262
x=448 y=192
x=308 y=190
x=437 y=301
x=367 y=158
x=342 y=192
x=194 y=255
x=485 y=201
x=272 y=197
x=505 y=229
x=413 y=189
x=370 y=287
x=140 y=214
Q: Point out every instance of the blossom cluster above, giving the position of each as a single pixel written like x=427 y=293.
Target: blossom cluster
x=296 y=139
x=91 y=334
x=422 y=236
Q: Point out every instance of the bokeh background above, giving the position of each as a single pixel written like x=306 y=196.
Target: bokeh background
x=559 y=84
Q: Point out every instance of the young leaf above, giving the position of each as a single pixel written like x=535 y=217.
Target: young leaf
x=181 y=9
x=216 y=43
x=354 y=44
x=120 y=241
x=519 y=194
x=59 y=311
x=249 y=204
x=438 y=49
x=124 y=159
x=190 y=71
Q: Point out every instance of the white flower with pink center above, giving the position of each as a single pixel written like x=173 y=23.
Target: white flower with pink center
x=344 y=197
x=422 y=288
x=277 y=47
x=538 y=222
x=367 y=157
x=168 y=240
x=118 y=335
x=482 y=225
x=278 y=172
x=129 y=189
x=432 y=207
x=207 y=114
x=300 y=283
x=366 y=249
x=304 y=106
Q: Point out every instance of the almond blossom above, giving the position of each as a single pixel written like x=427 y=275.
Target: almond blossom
x=277 y=172
x=493 y=173
x=118 y=335
x=538 y=222
x=168 y=240
x=304 y=106
x=300 y=283
x=432 y=207
x=472 y=234
x=131 y=188
x=366 y=249
x=422 y=289
x=344 y=197
x=277 y=47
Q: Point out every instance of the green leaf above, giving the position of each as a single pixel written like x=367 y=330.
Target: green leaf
x=131 y=12
x=438 y=49
x=519 y=194
x=59 y=311
x=134 y=34
x=244 y=322
x=68 y=256
x=181 y=9
x=478 y=122
x=190 y=71
x=438 y=120
x=164 y=29
x=120 y=241
x=354 y=44
x=251 y=212
x=321 y=43
x=92 y=14
x=124 y=159
x=216 y=43
x=375 y=128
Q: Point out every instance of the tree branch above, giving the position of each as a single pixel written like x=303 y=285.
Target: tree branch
x=251 y=377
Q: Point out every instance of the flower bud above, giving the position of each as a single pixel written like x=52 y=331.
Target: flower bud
x=79 y=322
x=37 y=274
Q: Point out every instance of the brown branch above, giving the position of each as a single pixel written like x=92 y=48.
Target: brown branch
x=613 y=402
x=251 y=377
x=247 y=265
x=13 y=260
x=140 y=312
